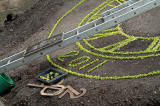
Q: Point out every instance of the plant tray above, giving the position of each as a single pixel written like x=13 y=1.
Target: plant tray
x=51 y=76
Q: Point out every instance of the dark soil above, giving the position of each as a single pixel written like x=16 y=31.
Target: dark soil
x=19 y=30
x=124 y=92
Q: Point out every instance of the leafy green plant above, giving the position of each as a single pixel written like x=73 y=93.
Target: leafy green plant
x=86 y=65
x=71 y=63
x=97 y=66
x=69 y=54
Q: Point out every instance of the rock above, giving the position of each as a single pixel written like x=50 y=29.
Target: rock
x=3 y=5
x=1 y=104
x=11 y=30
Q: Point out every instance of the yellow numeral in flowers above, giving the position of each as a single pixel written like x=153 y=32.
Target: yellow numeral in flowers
x=86 y=65
x=76 y=62
x=68 y=55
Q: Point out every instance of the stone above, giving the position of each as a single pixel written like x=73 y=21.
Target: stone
x=4 y=5
x=1 y=104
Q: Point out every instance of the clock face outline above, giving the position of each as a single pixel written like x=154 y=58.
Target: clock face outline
x=112 y=57
x=115 y=57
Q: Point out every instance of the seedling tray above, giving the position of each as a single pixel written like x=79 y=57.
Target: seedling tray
x=51 y=76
